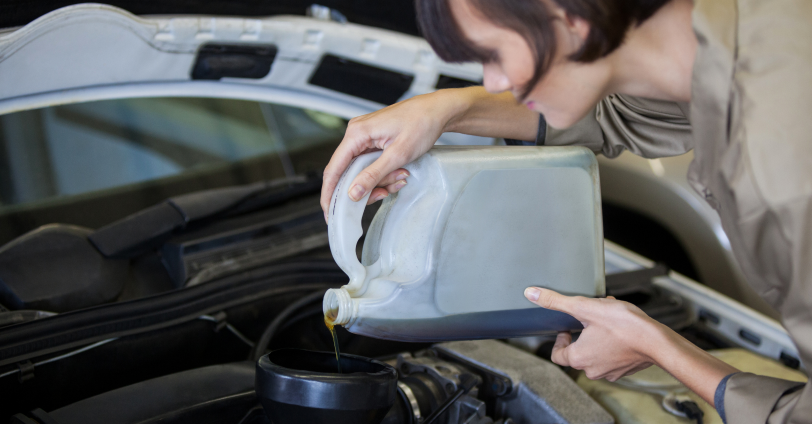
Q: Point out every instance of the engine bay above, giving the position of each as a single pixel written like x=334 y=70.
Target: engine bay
x=197 y=288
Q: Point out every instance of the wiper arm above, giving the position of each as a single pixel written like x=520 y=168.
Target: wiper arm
x=151 y=227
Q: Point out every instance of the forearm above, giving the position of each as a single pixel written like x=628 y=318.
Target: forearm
x=696 y=369
x=477 y=112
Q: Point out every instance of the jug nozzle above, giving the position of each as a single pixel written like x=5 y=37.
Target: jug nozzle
x=338 y=306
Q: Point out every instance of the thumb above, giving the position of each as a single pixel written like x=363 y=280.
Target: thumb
x=560 y=354
x=549 y=299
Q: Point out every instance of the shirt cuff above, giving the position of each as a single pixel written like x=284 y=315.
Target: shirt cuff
x=541 y=135
x=719 y=397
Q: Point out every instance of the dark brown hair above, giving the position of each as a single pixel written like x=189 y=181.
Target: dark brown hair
x=609 y=21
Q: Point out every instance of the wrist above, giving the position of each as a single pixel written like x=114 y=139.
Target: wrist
x=456 y=104
x=698 y=370
x=662 y=343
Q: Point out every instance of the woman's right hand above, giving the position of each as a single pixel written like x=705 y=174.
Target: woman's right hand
x=404 y=131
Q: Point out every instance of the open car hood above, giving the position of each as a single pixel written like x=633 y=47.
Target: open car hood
x=393 y=15
x=91 y=52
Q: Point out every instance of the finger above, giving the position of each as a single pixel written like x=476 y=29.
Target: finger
x=391 y=159
x=394 y=188
x=378 y=193
x=393 y=177
x=618 y=374
x=550 y=299
x=560 y=353
x=332 y=173
x=354 y=144
x=637 y=369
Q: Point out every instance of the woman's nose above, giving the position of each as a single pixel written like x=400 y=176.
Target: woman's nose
x=494 y=80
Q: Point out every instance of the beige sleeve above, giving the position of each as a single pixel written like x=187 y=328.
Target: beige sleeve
x=771 y=140
x=785 y=238
x=645 y=127
x=751 y=398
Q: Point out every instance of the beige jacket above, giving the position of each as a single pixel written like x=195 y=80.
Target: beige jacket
x=750 y=125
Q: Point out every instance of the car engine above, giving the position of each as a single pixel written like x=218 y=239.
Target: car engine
x=509 y=386
x=196 y=289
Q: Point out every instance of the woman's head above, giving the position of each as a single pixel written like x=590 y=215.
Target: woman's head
x=524 y=42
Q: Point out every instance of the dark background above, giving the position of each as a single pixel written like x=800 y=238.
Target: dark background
x=396 y=15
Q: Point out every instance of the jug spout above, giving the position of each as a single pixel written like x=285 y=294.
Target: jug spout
x=338 y=306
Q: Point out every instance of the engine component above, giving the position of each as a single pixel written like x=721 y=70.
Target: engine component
x=297 y=386
x=54 y=268
x=504 y=386
x=14 y=317
x=148 y=229
x=436 y=391
x=219 y=393
x=480 y=382
x=513 y=387
x=539 y=391
x=229 y=245
x=652 y=395
x=262 y=344
x=18 y=343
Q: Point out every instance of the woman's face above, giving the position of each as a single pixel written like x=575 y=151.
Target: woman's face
x=565 y=94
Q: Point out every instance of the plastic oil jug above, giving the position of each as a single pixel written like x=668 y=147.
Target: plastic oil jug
x=448 y=257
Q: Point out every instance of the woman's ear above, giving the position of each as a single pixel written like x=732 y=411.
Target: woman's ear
x=575 y=29
x=577 y=26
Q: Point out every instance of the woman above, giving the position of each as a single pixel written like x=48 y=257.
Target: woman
x=731 y=79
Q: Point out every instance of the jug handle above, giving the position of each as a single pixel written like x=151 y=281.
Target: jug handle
x=344 y=223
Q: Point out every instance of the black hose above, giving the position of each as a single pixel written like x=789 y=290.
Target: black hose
x=467 y=382
x=304 y=314
x=270 y=330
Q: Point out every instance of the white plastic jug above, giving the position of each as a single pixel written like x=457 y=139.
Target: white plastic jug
x=448 y=257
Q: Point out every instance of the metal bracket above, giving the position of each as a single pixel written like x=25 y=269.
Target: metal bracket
x=26 y=371
x=325 y=13
x=220 y=321
x=42 y=417
x=628 y=282
x=444 y=372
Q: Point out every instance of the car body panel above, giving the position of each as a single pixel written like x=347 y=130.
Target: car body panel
x=658 y=188
x=731 y=319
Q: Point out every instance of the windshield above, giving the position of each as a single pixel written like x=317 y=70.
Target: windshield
x=151 y=148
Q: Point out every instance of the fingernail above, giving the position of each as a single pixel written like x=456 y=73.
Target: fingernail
x=357 y=192
x=381 y=196
x=399 y=184
x=403 y=175
x=532 y=294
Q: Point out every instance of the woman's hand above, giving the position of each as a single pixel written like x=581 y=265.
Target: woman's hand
x=404 y=131
x=407 y=129
x=619 y=339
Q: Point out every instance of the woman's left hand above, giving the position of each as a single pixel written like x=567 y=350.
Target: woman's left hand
x=618 y=338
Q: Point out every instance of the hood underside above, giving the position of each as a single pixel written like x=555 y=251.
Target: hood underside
x=397 y=16
x=91 y=52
